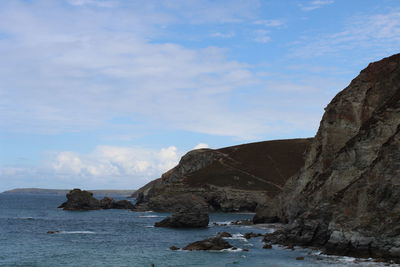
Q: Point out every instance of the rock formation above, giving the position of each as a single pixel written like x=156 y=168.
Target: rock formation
x=213 y=243
x=84 y=200
x=235 y=178
x=346 y=199
x=193 y=217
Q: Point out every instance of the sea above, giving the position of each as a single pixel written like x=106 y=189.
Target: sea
x=127 y=238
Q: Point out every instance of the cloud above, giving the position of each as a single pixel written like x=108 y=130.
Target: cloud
x=201 y=145
x=270 y=23
x=104 y=167
x=223 y=35
x=99 y=3
x=78 y=75
x=262 y=36
x=379 y=33
x=316 y=4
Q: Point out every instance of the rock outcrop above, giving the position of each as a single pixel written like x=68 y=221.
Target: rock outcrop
x=194 y=217
x=346 y=199
x=83 y=200
x=235 y=178
x=213 y=243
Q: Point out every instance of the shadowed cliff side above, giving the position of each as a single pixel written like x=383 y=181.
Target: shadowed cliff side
x=347 y=197
x=235 y=178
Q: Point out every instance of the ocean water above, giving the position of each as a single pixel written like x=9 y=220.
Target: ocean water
x=126 y=238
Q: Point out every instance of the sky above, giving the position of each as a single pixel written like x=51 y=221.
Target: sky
x=109 y=94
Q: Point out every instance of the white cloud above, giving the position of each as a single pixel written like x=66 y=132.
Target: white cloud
x=112 y=161
x=316 y=4
x=78 y=75
x=201 y=145
x=262 y=36
x=379 y=33
x=223 y=35
x=99 y=3
x=270 y=23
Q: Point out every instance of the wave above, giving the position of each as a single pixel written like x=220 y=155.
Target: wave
x=77 y=232
x=151 y=216
x=237 y=236
x=25 y=218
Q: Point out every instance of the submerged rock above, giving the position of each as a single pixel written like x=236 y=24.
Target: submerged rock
x=213 y=243
x=223 y=234
x=83 y=200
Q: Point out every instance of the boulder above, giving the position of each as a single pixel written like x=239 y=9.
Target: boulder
x=186 y=218
x=213 y=243
x=223 y=234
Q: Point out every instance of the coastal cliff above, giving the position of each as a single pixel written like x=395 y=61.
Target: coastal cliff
x=346 y=199
x=236 y=178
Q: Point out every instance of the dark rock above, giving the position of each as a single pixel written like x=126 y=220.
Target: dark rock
x=53 y=232
x=245 y=249
x=196 y=217
x=251 y=235
x=214 y=243
x=122 y=204
x=230 y=179
x=267 y=246
x=346 y=198
x=83 y=200
x=80 y=200
x=174 y=248
x=223 y=234
x=299 y=258
x=242 y=222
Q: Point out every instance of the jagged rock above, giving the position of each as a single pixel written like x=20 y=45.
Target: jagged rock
x=223 y=234
x=346 y=199
x=230 y=179
x=80 y=200
x=173 y=248
x=252 y=235
x=267 y=246
x=194 y=217
x=83 y=200
x=213 y=243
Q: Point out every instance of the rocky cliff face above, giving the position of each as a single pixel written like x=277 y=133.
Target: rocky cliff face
x=235 y=178
x=347 y=197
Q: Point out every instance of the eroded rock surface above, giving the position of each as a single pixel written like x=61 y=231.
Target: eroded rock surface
x=83 y=200
x=235 y=178
x=194 y=217
x=213 y=243
x=347 y=197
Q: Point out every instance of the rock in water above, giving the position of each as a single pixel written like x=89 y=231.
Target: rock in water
x=83 y=200
x=80 y=200
x=213 y=243
x=346 y=199
x=195 y=217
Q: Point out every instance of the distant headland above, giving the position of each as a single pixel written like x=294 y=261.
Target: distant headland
x=125 y=192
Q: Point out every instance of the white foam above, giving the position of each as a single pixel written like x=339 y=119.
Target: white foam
x=149 y=226
x=237 y=236
x=77 y=232
x=232 y=250
x=151 y=216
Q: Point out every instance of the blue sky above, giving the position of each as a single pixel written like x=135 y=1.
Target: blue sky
x=111 y=93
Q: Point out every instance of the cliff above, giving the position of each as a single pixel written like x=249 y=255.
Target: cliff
x=235 y=178
x=346 y=198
